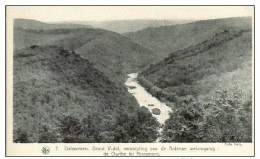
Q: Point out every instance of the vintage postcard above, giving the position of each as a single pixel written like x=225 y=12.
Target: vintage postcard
x=130 y=81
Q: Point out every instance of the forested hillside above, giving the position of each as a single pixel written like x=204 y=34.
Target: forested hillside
x=167 y=39
x=208 y=86
x=109 y=52
x=24 y=38
x=37 y=25
x=124 y=26
x=60 y=97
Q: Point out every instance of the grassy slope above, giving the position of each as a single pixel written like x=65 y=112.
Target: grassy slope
x=167 y=39
x=51 y=83
x=111 y=53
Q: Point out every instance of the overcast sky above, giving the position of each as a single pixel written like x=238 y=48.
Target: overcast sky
x=101 y=13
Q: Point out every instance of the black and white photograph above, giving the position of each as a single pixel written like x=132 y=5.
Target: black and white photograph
x=131 y=74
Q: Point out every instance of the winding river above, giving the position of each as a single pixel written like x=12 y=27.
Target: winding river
x=144 y=98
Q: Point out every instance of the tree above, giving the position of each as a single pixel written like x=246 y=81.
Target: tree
x=70 y=127
x=21 y=136
x=48 y=135
x=185 y=123
x=229 y=119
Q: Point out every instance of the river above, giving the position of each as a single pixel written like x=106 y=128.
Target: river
x=144 y=98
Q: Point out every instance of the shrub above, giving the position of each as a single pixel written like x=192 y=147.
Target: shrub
x=156 y=111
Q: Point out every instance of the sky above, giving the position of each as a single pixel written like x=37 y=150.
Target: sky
x=106 y=13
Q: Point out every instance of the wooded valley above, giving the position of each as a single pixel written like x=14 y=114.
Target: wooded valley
x=69 y=82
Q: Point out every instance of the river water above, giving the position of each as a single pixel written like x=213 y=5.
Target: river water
x=144 y=98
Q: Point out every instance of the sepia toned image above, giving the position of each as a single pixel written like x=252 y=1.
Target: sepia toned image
x=130 y=80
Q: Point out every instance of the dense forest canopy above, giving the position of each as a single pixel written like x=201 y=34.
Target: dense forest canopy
x=60 y=97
